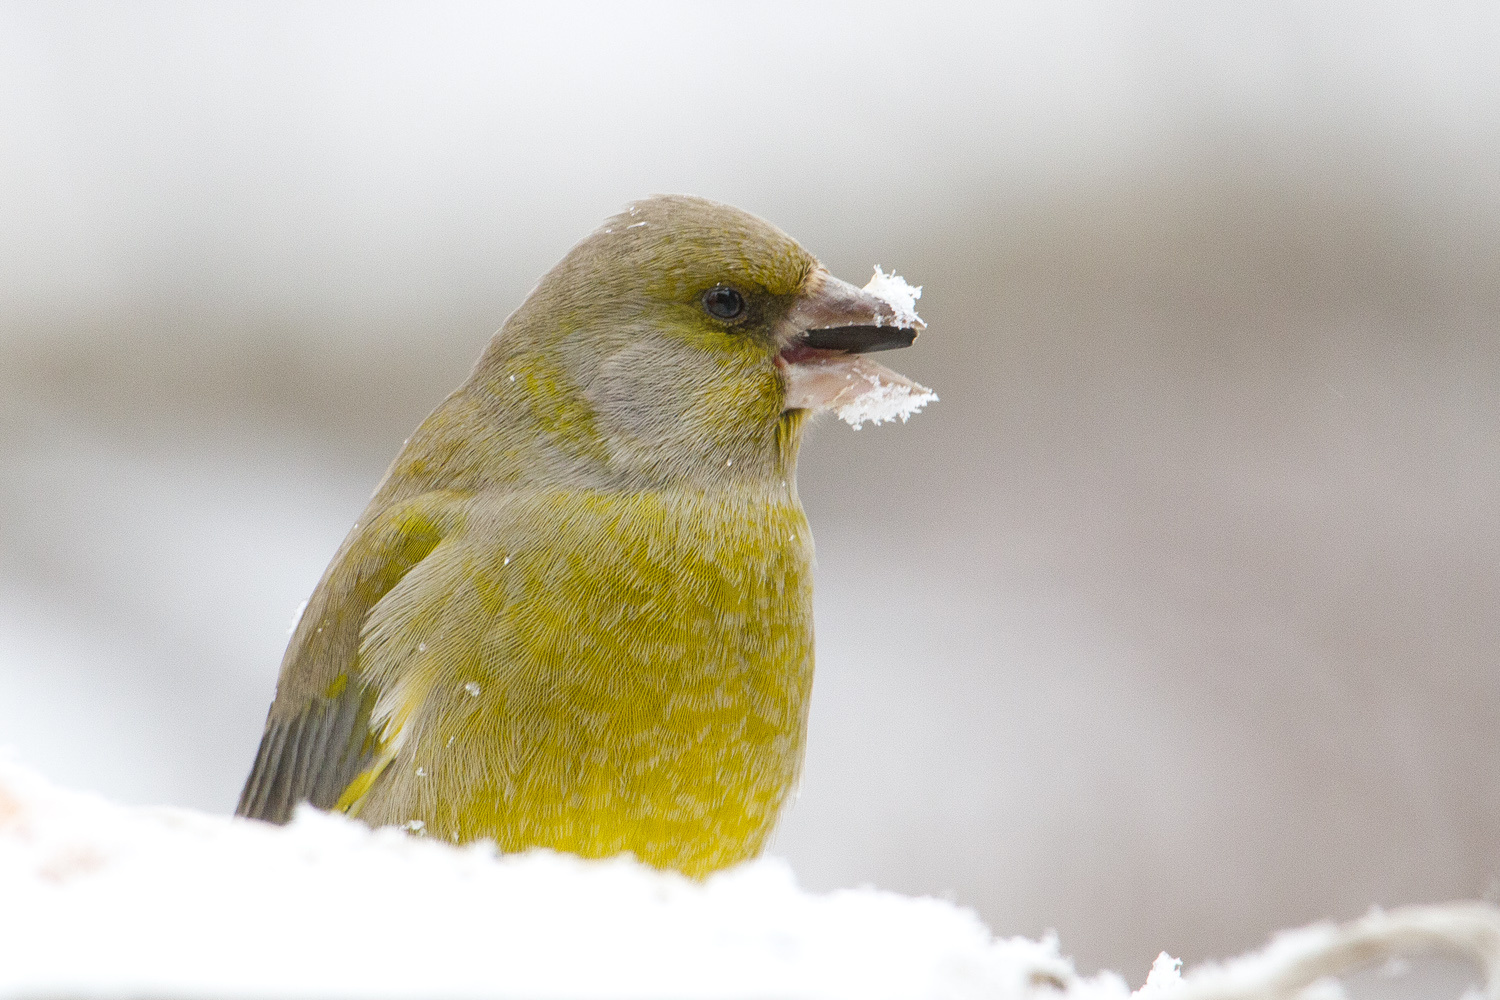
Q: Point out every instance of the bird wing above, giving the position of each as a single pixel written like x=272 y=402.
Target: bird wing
x=309 y=756
x=318 y=738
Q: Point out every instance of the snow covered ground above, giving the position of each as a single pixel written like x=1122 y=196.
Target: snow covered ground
x=100 y=900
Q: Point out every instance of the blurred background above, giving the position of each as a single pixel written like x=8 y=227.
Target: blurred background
x=1174 y=622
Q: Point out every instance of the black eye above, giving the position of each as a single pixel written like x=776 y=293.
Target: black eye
x=723 y=302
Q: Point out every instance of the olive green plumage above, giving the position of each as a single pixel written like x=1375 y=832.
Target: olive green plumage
x=577 y=612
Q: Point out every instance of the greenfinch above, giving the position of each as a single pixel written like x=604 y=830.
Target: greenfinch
x=577 y=612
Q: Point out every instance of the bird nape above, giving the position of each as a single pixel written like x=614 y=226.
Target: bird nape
x=577 y=613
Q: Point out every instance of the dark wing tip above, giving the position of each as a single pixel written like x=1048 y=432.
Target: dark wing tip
x=309 y=757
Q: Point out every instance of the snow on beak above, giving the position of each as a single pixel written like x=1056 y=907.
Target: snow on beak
x=831 y=327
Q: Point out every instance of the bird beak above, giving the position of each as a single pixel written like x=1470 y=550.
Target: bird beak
x=831 y=314
x=831 y=324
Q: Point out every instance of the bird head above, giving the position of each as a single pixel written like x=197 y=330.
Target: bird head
x=685 y=341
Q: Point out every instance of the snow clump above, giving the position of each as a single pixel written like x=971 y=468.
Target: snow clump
x=885 y=399
x=896 y=293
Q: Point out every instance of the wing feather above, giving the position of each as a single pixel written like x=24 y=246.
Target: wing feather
x=310 y=757
x=317 y=738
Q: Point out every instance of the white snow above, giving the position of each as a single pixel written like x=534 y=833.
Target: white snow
x=901 y=297
x=885 y=399
x=856 y=388
x=297 y=617
x=1164 y=978
x=99 y=900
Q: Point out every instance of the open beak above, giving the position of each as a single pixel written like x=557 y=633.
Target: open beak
x=827 y=331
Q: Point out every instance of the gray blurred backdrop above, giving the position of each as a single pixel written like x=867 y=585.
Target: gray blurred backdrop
x=1173 y=623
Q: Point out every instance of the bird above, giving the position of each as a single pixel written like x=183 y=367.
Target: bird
x=577 y=612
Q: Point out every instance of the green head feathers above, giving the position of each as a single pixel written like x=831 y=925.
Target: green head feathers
x=621 y=360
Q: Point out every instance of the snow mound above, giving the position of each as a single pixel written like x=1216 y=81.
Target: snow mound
x=901 y=297
x=98 y=900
